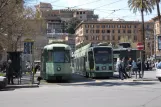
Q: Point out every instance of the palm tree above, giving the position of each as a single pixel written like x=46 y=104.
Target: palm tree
x=142 y=6
x=158 y=9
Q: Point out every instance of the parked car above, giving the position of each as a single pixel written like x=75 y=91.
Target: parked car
x=3 y=82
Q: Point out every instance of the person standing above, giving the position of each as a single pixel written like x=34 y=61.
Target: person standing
x=139 y=67
x=9 y=72
x=134 y=67
x=123 y=68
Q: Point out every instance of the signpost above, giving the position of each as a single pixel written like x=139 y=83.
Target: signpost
x=140 y=47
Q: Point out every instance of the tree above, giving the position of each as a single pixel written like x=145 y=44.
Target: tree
x=158 y=10
x=15 y=21
x=71 y=25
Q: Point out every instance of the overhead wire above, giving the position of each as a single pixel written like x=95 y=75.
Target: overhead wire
x=86 y=3
x=108 y=4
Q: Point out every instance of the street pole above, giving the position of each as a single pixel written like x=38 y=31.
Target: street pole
x=143 y=36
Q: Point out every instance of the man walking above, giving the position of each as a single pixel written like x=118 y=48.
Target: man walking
x=9 y=72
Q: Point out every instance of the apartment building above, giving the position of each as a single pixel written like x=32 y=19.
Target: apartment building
x=112 y=32
x=157 y=36
x=107 y=31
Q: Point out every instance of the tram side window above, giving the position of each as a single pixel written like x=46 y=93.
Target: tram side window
x=49 y=56
x=67 y=56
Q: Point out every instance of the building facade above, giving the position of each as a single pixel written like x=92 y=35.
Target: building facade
x=111 y=32
x=157 y=37
x=107 y=31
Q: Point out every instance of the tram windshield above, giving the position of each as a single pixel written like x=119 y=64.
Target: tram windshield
x=103 y=55
x=61 y=57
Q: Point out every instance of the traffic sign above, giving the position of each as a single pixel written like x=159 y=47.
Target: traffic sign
x=140 y=46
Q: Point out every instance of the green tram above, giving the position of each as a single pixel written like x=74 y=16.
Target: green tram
x=56 y=62
x=94 y=61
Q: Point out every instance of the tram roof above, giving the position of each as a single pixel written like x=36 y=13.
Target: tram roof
x=51 y=46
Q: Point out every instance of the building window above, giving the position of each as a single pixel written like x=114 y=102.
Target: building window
x=135 y=38
x=80 y=12
x=83 y=12
x=113 y=31
x=103 y=26
x=97 y=31
x=103 y=31
x=80 y=17
x=97 y=37
x=124 y=31
x=118 y=37
x=92 y=26
x=86 y=31
x=97 y=26
x=93 y=37
x=91 y=31
x=86 y=37
x=107 y=26
x=118 y=31
x=134 y=31
x=129 y=26
x=129 y=31
x=103 y=37
x=134 y=26
x=108 y=31
x=123 y=26
x=118 y=26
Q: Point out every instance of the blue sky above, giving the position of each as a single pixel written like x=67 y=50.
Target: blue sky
x=104 y=8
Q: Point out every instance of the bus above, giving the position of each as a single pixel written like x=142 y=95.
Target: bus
x=56 y=62
x=94 y=61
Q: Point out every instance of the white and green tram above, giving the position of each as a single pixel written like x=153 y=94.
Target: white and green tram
x=94 y=61
x=56 y=62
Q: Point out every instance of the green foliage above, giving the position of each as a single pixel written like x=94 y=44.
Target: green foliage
x=71 y=25
x=136 y=5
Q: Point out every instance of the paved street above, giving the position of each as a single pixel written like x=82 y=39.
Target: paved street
x=82 y=92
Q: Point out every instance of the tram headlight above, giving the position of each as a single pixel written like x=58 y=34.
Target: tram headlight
x=58 y=68
x=97 y=68
x=104 y=68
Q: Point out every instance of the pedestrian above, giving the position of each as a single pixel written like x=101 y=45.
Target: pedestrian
x=139 y=67
x=123 y=68
x=9 y=72
x=134 y=67
x=119 y=68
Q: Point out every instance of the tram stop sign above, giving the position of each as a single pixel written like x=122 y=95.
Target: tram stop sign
x=140 y=46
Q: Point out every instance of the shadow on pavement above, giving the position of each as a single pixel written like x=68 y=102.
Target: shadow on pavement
x=13 y=87
x=110 y=84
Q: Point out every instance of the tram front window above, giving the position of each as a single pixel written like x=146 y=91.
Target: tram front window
x=61 y=57
x=103 y=55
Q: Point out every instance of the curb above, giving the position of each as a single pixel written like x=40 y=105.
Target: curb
x=23 y=86
x=145 y=80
